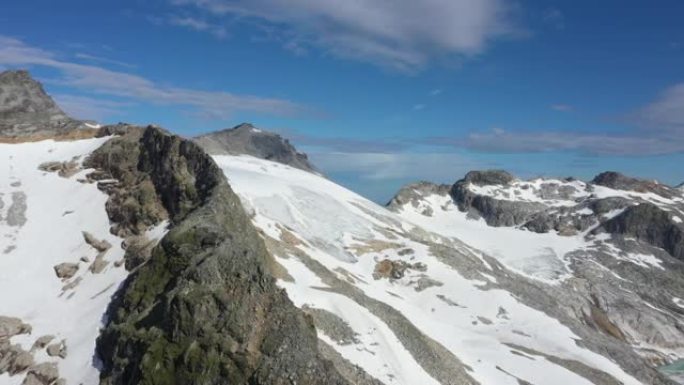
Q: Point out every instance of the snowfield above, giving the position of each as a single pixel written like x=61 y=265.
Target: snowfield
x=41 y=226
x=330 y=241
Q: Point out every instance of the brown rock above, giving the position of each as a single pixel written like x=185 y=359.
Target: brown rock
x=99 y=245
x=66 y=270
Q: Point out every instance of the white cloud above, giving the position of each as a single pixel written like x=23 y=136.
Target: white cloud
x=435 y=92
x=199 y=25
x=401 y=34
x=418 y=107
x=83 y=107
x=99 y=80
x=549 y=141
x=561 y=107
x=666 y=112
x=389 y=166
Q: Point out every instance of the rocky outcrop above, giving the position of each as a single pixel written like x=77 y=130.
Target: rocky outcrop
x=26 y=110
x=618 y=181
x=414 y=192
x=495 y=212
x=249 y=140
x=650 y=224
x=203 y=309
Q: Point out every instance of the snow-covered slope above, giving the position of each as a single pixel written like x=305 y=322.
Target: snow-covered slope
x=43 y=217
x=410 y=306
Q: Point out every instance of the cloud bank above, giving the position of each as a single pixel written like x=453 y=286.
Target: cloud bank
x=402 y=34
x=99 y=80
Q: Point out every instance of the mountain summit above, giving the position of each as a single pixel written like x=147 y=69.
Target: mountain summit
x=27 y=110
x=245 y=139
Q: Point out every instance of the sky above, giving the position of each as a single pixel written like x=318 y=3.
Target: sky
x=380 y=93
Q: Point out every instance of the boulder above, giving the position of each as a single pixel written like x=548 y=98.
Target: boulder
x=66 y=270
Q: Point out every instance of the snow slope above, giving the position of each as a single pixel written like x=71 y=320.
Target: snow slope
x=46 y=231
x=330 y=240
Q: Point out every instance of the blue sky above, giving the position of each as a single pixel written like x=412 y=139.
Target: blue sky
x=380 y=93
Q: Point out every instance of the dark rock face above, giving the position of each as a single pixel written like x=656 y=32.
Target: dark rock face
x=248 y=140
x=617 y=181
x=649 y=224
x=25 y=108
x=203 y=309
x=494 y=211
x=488 y=177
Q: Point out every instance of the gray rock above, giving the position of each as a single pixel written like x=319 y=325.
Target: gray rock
x=12 y=326
x=617 y=181
x=414 y=192
x=650 y=224
x=66 y=270
x=494 y=211
x=13 y=359
x=26 y=110
x=98 y=264
x=203 y=309
x=42 y=342
x=248 y=140
x=99 y=245
x=58 y=349
x=42 y=374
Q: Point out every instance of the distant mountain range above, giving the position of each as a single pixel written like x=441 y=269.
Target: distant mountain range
x=130 y=255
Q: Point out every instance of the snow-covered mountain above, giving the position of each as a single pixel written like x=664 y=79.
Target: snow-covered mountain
x=131 y=256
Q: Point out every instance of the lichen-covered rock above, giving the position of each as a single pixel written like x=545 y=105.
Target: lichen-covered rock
x=203 y=309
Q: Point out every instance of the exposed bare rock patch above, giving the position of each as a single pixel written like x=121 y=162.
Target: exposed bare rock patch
x=45 y=373
x=98 y=264
x=58 y=349
x=42 y=342
x=66 y=270
x=99 y=245
x=392 y=270
x=12 y=326
x=64 y=169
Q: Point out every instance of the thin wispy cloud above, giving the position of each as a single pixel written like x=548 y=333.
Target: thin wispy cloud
x=561 y=107
x=102 y=60
x=99 y=80
x=666 y=112
x=436 y=92
x=199 y=25
x=84 y=107
x=388 y=166
x=389 y=34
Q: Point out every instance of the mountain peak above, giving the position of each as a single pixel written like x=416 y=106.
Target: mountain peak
x=26 y=109
x=246 y=139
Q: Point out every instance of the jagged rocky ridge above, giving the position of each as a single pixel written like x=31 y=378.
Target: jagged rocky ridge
x=204 y=309
x=249 y=140
x=26 y=110
x=617 y=222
